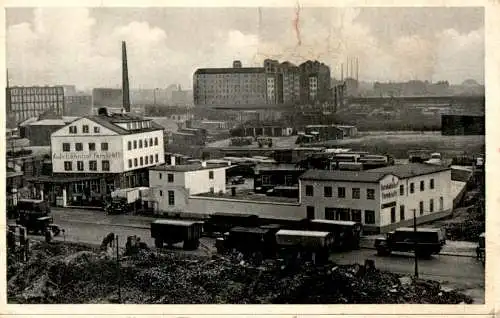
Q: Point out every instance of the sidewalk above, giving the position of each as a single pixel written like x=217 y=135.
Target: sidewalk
x=453 y=248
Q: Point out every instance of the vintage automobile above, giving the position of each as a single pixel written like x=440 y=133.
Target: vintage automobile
x=424 y=241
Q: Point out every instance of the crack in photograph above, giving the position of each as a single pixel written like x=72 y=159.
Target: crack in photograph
x=245 y=155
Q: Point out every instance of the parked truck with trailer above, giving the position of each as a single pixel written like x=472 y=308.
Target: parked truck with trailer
x=424 y=241
x=171 y=232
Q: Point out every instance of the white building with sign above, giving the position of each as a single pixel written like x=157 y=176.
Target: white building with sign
x=103 y=153
x=382 y=199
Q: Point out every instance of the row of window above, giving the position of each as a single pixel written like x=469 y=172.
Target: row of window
x=412 y=186
x=36 y=98
x=143 y=161
x=342 y=214
x=92 y=165
x=356 y=192
x=135 y=144
x=79 y=146
x=37 y=91
x=85 y=129
x=34 y=106
x=170 y=176
x=341 y=192
x=420 y=208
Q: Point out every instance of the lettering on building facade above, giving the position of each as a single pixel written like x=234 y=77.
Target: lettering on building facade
x=87 y=156
x=390 y=189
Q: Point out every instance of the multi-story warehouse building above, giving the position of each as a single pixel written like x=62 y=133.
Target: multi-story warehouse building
x=107 y=97
x=78 y=105
x=274 y=83
x=94 y=155
x=27 y=102
x=233 y=86
x=314 y=82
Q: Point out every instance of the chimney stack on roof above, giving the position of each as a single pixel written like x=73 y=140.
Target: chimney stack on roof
x=172 y=160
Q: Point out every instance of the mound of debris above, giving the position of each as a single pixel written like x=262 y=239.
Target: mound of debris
x=63 y=273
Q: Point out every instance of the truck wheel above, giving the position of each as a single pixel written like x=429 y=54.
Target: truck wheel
x=158 y=243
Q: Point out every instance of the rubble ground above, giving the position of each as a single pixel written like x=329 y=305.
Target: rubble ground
x=64 y=273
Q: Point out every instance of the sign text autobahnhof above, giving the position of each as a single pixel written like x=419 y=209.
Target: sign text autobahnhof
x=87 y=156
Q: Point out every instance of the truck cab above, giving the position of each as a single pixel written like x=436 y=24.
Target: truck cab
x=426 y=241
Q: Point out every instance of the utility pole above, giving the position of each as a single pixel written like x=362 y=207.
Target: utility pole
x=118 y=272
x=415 y=241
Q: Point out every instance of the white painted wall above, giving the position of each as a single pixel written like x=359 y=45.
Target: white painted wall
x=320 y=202
x=117 y=153
x=114 y=154
x=199 y=182
x=442 y=188
x=205 y=206
x=144 y=151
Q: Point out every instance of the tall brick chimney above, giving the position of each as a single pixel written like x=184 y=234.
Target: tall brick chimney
x=125 y=88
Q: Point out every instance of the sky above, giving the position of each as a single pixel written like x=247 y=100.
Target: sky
x=82 y=46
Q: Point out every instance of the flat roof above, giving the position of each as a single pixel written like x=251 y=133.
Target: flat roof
x=374 y=175
x=302 y=233
x=175 y=222
x=255 y=230
x=336 y=222
x=230 y=70
x=188 y=167
x=410 y=229
x=247 y=195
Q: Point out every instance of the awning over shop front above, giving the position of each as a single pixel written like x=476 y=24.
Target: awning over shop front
x=51 y=179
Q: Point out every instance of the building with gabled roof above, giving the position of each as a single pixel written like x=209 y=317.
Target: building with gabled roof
x=105 y=152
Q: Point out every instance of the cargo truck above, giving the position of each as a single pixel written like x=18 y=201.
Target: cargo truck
x=424 y=241
x=176 y=231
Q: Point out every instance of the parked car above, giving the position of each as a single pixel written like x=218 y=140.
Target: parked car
x=426 y=241
x=237 y=180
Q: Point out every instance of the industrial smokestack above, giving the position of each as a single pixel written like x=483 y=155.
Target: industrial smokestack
x=357 y=69
x=347 y=68
x=342 y=72
x=352 y=68
x=125 y=87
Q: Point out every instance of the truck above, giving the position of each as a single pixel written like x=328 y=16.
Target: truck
x=35 y=216
x=123 y=201
x=249 y=240
x=223 y=222
x=314 y=245
x=347 y=234
x=426 y=241
x=176 y=231
x=481 y=248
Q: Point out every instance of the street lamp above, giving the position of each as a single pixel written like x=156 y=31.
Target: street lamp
x=415 y=247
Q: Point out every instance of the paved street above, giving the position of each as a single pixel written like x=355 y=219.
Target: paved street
x=464 y=273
